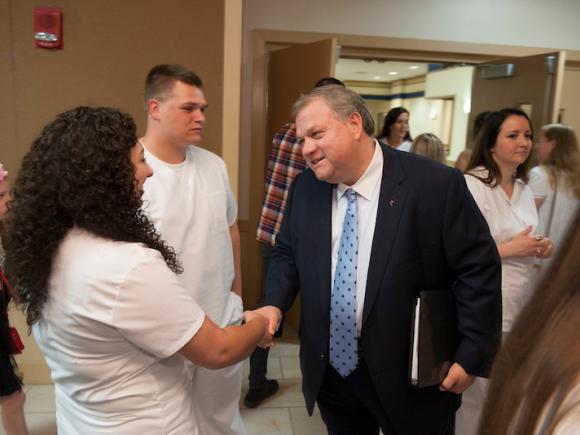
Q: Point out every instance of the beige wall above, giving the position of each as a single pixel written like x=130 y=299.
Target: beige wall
x=232 y=59
x=454 y=83
x=427 y=115
x=571 y=99
x=108 y=48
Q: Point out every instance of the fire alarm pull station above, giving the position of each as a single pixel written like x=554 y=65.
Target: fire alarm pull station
x=48 y=27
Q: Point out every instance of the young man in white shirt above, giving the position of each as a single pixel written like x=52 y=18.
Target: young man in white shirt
x=191 y=204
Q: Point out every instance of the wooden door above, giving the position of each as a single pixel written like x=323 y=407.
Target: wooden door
x=291 y=72
x=531 y=83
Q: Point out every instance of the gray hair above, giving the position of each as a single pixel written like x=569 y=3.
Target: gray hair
x=343 y=103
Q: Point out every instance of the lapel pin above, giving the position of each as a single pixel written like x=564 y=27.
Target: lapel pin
x=391 y=202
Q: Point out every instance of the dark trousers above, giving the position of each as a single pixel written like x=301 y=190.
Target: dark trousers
x=259 y=358
x=350 y=406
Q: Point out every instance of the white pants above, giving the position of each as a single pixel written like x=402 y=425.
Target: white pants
x=216 y=393
x=467 y=417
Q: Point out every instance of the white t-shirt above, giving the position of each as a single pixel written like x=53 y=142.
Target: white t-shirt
x=405 y=146
x=115 y=318
x=506 y=218
x=564 y=208
x=192 y=207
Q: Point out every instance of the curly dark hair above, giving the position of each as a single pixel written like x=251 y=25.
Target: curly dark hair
x=485 y=141
x=78 y=173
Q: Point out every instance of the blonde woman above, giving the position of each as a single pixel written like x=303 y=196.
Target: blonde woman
x=555 y=183
x=430 y=146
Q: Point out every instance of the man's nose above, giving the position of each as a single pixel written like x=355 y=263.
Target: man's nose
x=199 y=116
x=308 y=147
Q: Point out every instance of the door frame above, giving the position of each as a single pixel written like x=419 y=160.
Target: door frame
x=352 y=46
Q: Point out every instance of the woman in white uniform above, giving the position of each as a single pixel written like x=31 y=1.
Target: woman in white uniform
x=556 y=182
x=535 y=386
x=496 y=177
x=395 y=131
x=100 y=287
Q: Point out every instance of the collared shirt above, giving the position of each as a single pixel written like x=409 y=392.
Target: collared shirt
x=284 y=164
x=507 y=217
x=367 y=188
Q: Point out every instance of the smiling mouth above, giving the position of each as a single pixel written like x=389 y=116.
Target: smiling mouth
x=315 y=161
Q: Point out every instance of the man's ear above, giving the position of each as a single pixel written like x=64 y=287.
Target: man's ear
x=355 y=122
x=153 y=107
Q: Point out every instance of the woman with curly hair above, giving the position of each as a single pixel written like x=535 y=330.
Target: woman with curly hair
x=11 y=395
x=556 y=182
x=100 y=287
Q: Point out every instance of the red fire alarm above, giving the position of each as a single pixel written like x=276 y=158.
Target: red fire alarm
x=48 y=27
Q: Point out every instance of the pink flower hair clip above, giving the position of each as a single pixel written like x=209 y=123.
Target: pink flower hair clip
x=3 y=173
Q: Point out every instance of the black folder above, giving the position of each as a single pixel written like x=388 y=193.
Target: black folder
x=434 y=337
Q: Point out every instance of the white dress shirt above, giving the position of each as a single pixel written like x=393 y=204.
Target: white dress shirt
x=367 y=188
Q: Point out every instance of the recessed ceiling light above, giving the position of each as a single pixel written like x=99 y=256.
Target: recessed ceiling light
x=413 y=67
x=377 y=77
x=393 y=73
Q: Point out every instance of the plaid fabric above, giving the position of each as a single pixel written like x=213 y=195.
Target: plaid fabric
x=284 y=164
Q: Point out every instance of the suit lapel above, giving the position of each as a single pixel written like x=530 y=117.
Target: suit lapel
x=392 y=198
x=323 y=223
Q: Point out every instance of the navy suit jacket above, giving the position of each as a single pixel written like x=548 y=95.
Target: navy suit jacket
x=429 y=234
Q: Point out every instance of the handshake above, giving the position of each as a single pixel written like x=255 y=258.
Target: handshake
x=273 y=315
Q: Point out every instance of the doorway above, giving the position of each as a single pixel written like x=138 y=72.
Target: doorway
x=354 y=47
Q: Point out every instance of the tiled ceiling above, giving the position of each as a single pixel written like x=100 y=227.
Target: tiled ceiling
x=378 y=70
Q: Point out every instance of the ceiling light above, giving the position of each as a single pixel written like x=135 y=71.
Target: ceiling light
x=393 y=73
x=413 y=67
x=377 y=77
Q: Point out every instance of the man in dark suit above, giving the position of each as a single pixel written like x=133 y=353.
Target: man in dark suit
x=366 y=228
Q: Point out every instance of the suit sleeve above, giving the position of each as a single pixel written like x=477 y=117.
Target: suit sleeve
x=472 y=256
x=281 y=285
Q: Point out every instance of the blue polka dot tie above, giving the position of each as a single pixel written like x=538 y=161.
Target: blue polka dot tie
x=343 y=344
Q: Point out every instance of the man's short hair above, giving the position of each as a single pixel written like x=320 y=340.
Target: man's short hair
x=161 y=78
x=342 y=101
x=328 y=81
